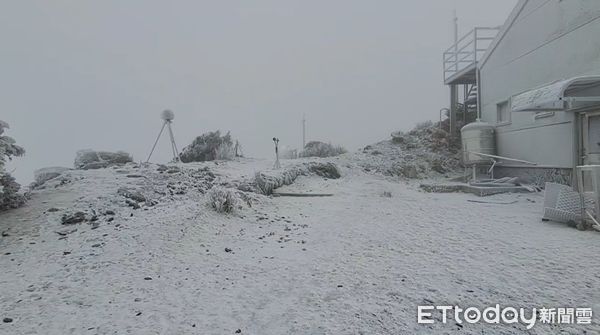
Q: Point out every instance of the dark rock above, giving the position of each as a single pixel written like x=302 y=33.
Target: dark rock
x=66 y=232
x=239 y=331
x=228 y=250
x=7 y=320
x=53 y=209
x=74 y=218
x=147 y=278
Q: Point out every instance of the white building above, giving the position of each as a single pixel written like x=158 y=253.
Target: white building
x=539 y=84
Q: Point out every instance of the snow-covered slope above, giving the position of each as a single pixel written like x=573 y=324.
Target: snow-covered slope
x=359 y=262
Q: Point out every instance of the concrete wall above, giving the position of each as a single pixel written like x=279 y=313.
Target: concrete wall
x=543 y=41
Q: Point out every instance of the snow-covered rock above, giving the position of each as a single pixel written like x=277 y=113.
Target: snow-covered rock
x=90 y=159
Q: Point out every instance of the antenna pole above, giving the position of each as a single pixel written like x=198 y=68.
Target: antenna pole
x=303 y=131
x=456 y=38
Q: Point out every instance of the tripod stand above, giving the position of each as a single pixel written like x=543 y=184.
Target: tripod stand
x=168 y=119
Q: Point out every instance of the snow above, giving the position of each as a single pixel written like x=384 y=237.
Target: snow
x=355 y=263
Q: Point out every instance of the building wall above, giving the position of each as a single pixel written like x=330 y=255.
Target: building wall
x=548 y=40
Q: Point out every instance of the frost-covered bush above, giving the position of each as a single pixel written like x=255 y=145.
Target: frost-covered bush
x=223 y=200
x=42 y=175
x=424 y=125
x=209 y=147
x=225 y=152
x=321 y=149
x=9 y=188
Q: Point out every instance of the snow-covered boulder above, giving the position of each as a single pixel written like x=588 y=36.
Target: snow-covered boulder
x=90 y=159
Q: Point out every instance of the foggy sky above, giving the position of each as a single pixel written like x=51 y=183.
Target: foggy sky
x=97 y=74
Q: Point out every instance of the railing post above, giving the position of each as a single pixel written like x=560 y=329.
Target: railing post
x=475 y=37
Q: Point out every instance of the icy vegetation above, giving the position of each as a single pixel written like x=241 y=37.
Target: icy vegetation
x=321 y=149
x=9 y=188
x=269 y=180
x=209 y=147
x=45 y=174
x=426 y=151
x=223 y=200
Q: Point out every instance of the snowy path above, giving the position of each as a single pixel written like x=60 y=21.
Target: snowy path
x=355 y=263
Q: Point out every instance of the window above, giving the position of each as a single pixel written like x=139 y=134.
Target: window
x=503 y=112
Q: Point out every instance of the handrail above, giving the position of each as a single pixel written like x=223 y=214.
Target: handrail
x=467 y=50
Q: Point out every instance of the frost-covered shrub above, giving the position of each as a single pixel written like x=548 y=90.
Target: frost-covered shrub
x=10 y=197
x=42 y=175
x=9 y=188
x=209 y=147
x=223 y=200
x=225 y=152
x=424 y=125
x=321 y=149
x=8 y=148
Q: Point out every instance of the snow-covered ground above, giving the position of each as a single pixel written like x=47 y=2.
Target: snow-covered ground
x=358 y=262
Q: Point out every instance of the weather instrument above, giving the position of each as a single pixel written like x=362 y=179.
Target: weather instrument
x=277 y=165
x=167 y=116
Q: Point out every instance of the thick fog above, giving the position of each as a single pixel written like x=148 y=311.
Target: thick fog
x=97 y=74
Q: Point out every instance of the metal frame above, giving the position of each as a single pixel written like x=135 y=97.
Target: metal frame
x=584 y=151
x=468 y=50
x=594 y=171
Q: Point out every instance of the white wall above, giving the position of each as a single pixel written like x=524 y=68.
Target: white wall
x=549 y=40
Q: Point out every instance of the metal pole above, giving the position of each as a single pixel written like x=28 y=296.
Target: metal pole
x=303 y=131
x=453 y=107
x=156 y=142
x=173 y=144
x=456 y=40
x=478 y=80
x=277 y=164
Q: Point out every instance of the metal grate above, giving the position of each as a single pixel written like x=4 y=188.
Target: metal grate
x=562 y=204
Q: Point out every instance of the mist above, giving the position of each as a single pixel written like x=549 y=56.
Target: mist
x=97 y=74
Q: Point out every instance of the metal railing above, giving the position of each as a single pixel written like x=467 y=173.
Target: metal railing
x=468 y=50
